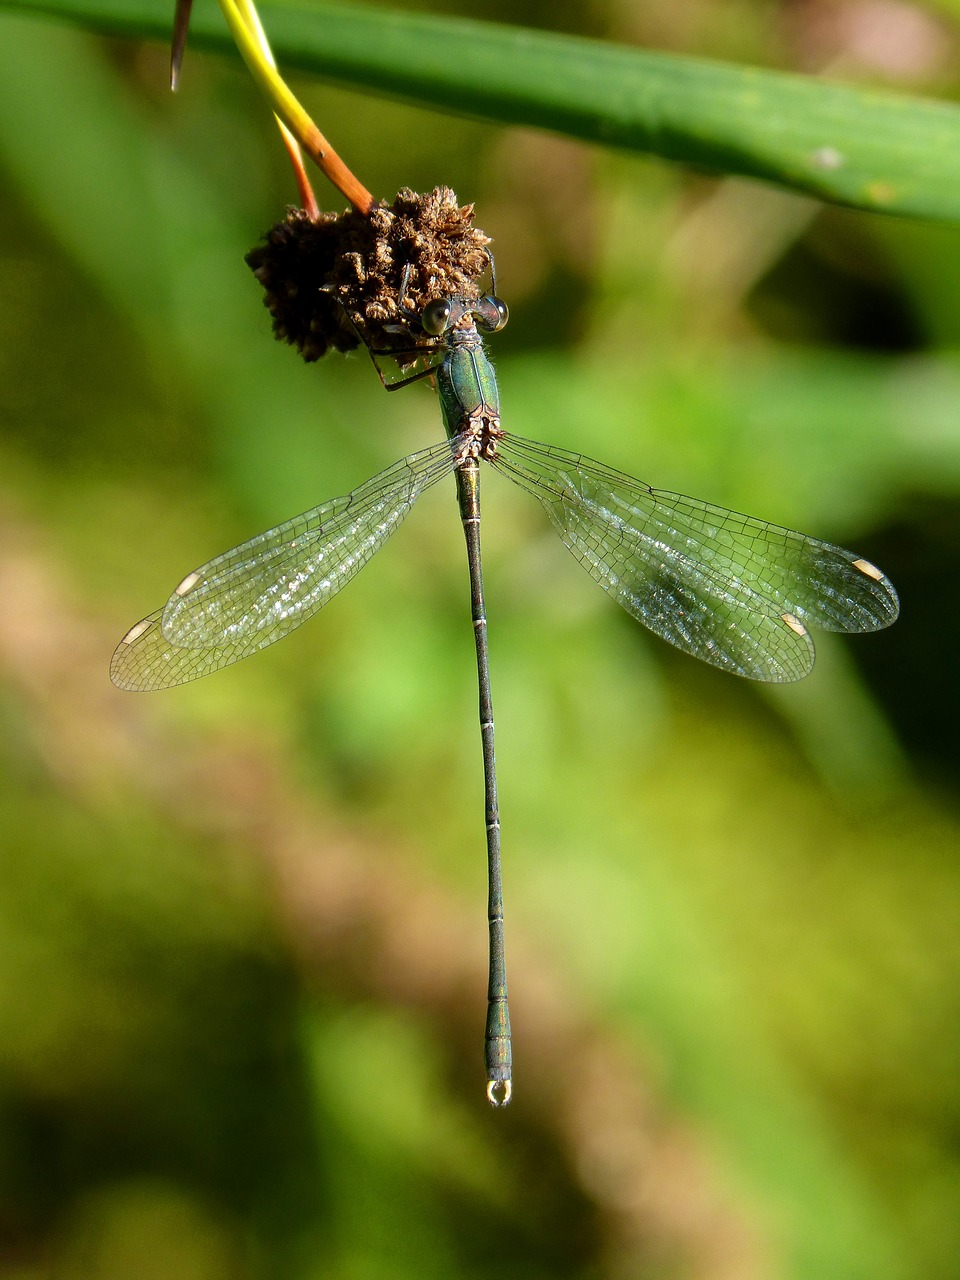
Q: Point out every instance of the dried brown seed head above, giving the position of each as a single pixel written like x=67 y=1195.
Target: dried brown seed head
x=335 y=281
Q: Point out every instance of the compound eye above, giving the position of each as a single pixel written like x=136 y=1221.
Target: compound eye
x=492 y=313
x=435 y=317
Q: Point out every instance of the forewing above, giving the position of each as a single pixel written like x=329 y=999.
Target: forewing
x=259 y=592
x=732 y=590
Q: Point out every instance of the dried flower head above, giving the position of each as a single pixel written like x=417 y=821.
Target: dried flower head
x=335 y=281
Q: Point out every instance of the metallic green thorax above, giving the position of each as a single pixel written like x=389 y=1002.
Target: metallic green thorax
x=467 y=385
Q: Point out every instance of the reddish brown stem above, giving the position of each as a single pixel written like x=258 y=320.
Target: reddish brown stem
x=330 y=164
x=308 y=200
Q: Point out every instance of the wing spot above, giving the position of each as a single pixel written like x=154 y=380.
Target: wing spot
x=137 y=630
x=794 y=624
x=869 y=569
x=187 y=585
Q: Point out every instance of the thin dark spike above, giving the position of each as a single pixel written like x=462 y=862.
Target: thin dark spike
x=181 y=21
x=497 y=1053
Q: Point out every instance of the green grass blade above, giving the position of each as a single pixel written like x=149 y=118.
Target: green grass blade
x=871 y=150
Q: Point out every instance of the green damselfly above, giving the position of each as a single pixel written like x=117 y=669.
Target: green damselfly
x=734 y=591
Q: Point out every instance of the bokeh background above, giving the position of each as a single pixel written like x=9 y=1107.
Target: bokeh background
x=242 y=924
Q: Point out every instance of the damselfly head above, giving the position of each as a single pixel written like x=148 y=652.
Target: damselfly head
x=488 y=313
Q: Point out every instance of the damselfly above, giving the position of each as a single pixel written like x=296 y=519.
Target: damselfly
x=737 y=592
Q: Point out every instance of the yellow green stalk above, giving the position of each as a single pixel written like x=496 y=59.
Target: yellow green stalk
x=296 y=127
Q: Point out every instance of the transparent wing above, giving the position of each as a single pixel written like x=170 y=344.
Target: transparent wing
x=399 y=368
x=259 y=592
x=144 y=660
x=729 y=589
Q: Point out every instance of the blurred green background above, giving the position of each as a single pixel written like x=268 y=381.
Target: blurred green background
x=242 y=938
